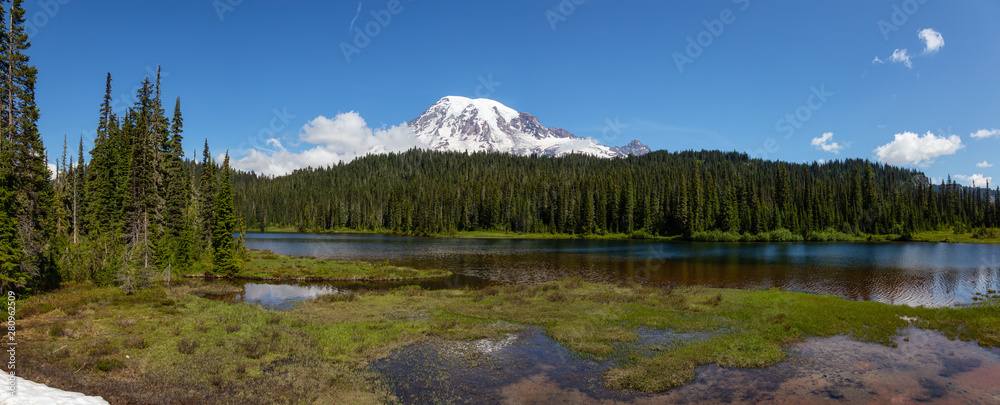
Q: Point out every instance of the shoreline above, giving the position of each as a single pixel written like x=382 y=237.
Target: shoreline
x=922 y=237
x=315 y=279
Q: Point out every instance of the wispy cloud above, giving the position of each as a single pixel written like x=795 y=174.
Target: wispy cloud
x=901 y=56
x=910 y=148
x=932 y=40
x=350 y=28
x=984 y=164
x=985 y=133
x=877 y=61
x=824 y=143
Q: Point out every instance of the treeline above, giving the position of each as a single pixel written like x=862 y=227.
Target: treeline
x=662 y=193
x=135 y=209
x=138 y=207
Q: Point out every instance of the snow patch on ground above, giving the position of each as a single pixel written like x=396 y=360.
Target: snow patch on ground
x=32 y=393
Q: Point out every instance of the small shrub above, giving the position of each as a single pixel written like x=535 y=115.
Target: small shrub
x=268 y=255
x=187 y=346
x=412 y=290
x=106 y=365
x=104 y=347
x=715 y=236
x=548 y=287
x=557 y=296
x=254 y=348
x=217 y=381
x=233 y=328
x=274 y=319
x=345 y=297
x=136 y=342
x=57 y=331
x=573 y=283
x=780 y=235
x=640 y=234
x=986 y=233
x=125 y=323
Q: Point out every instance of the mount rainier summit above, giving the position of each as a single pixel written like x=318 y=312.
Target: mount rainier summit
x=462 y=124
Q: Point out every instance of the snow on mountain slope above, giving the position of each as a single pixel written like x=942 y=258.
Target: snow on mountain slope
x=462 y=124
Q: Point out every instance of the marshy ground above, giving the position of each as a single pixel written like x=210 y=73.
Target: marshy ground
x=266 y=265
x=617 y=342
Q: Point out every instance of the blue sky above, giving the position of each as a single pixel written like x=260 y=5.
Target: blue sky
x=247 y=71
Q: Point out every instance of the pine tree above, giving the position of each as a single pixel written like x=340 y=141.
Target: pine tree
x=11 y=272
x=206 y=189
x=61 y=197
x=33 y=193
x=144 y=177
x=102 y=188
x=178 y=192
x=224 y=246
x=79 y=185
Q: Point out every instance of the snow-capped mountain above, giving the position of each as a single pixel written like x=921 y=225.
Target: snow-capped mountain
x=462 y=124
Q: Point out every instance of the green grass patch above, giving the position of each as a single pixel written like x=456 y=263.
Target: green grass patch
x=986 y=236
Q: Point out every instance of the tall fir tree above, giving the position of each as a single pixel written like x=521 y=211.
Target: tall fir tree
x=177 y=230
x=33 y=192
x=206 y=189
x=79 y=195
x=143 y=203
x=103 y=204
x=224 y=246
x=11 y=272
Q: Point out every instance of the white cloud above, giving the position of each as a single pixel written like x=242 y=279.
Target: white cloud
x=901 y=56
x=985 y=133
x=910 y=148
x=342 y=138
x=52 y=171
x=274 y=142
x=932 y=40
x=984 y=164
x=821 y=161
x=823 y=143
x=977 y=180
x=877 y=61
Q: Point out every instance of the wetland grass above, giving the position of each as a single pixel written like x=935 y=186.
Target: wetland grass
x=266 y=265
x=322 y=350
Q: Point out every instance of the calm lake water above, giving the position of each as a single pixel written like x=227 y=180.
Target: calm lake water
x=929 y=274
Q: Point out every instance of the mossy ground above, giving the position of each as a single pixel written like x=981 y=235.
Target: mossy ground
x=166 y=344
x=265 y=265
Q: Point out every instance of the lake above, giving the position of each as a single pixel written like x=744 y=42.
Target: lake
x=928 y=274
